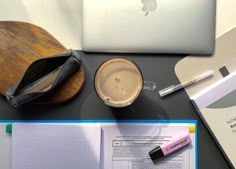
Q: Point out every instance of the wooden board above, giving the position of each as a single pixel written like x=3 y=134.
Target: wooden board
x=22 y=43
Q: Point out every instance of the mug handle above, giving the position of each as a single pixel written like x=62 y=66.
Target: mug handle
x=149 y=85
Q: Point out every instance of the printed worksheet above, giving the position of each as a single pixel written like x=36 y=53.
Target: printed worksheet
x=126 y=146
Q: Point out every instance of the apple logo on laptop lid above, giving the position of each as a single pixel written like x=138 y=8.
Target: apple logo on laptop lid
x=149 y=6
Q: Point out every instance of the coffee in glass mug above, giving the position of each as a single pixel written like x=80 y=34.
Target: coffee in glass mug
x=118 y=82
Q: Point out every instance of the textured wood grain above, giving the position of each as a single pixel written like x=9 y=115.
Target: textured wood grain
x=22 y=43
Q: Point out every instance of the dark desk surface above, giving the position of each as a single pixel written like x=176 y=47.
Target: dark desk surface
x=149 y=105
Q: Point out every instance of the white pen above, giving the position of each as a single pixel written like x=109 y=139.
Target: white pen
x=174 y=88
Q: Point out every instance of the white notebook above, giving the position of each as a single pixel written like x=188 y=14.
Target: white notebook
x=216 y=105
x=100 y=146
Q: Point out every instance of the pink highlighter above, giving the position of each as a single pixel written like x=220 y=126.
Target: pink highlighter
x=167 y=148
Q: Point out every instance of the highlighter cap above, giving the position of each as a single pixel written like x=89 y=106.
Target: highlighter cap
x=156 y=153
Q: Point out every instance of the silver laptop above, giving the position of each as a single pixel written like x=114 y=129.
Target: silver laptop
x=149 y=26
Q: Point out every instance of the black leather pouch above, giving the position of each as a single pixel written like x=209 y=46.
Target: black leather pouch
x=43 y=76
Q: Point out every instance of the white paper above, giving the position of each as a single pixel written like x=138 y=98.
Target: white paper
x=127 y=146
x=5 y=147
x=61 y=18
x=56 y=146
x=214 y=92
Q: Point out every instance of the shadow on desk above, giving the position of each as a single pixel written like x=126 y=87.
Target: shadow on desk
x=142 y=108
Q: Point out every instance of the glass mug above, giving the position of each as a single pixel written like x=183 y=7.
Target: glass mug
x=118 y=82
